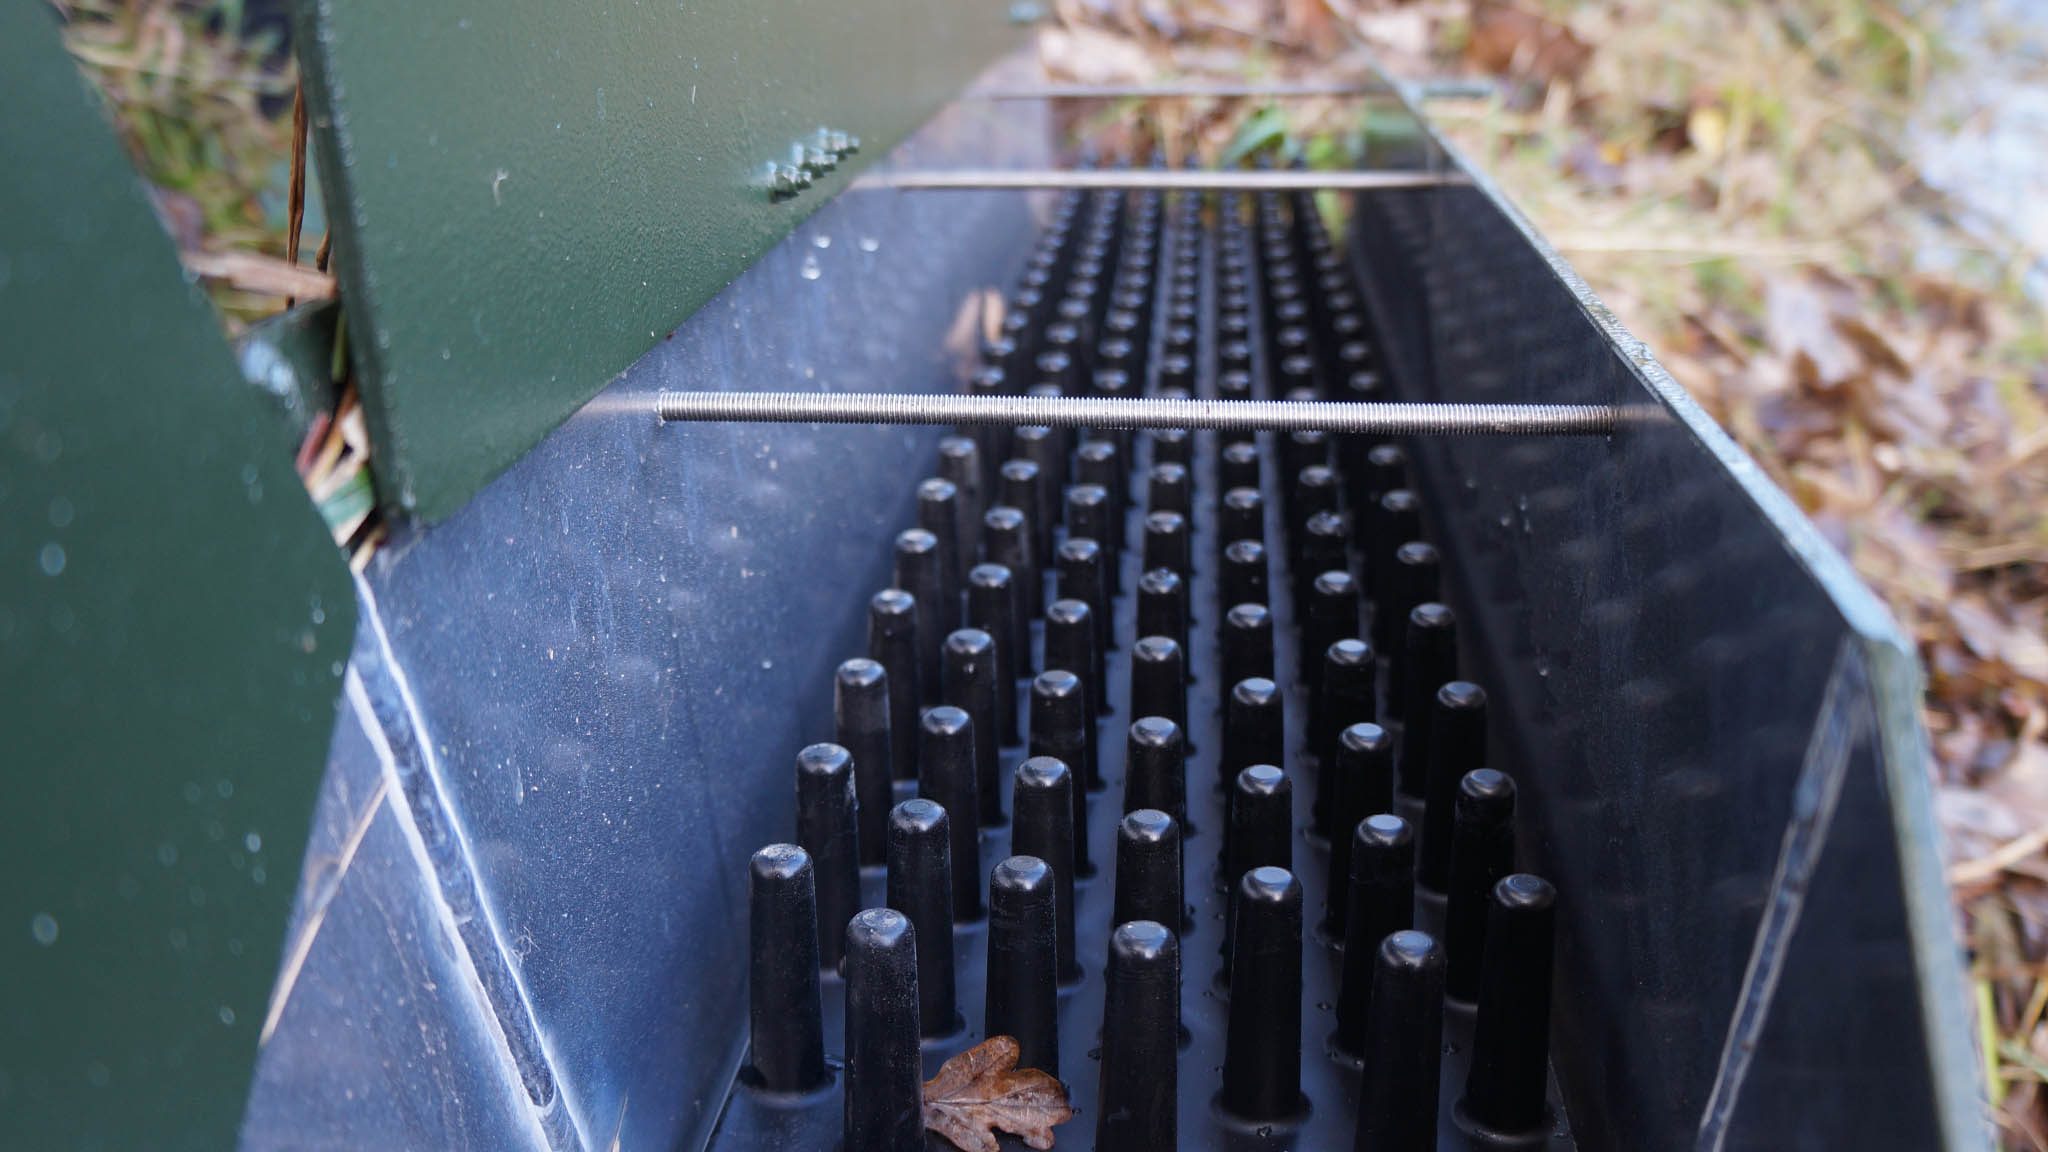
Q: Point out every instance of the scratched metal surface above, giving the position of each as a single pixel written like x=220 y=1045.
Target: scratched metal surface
x=597 y=676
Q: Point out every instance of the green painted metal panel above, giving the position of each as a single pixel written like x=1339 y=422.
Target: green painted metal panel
x=530 y=194
x=173 y=623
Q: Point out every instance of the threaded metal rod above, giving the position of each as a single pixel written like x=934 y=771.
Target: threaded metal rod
x=1183 y=179
x=1371 y=419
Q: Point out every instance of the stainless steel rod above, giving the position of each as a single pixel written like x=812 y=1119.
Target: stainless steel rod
x=1162 y=178
x=1171 y=91
x=1373 y=419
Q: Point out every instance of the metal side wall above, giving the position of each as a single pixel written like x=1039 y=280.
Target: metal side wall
x=1720 y=752
x=583 y=695
x=173 y=626
x=527 y=194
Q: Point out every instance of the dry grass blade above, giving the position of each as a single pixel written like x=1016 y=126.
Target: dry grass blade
x=982 y=1090
x=265 y=275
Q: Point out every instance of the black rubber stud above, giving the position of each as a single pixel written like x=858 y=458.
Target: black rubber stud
x=1331 y=615
x=970 y=685
x=1081 y=577
x=1397 y=1103
x=1386 y=471
x=1504 y=1092
x=1022 y=486
x=1168 y=543
x=921 y=887
x=938 y=512
x=992 y=607
x=1042 y=825
x=1159 y=680
x=1347 y=696
x=1169 y=489
x=1060 y=720
x=1237 y=466
x=1046 y=449
x=960 y=462
x=1413 y=581
x=1324 y=548
x=1138 y=1097
x=1155 y=768
x=1428 y=661
x=1261 y=829
x=1101 y=463
x=1149 y=883
x=1457 y=745
x=1022 y=997
x=1262 y=1046
x=1254 y=731
x=1244 y=576
x=1482 y=854
x=1315 y=492
x=1397 y=521
x=1380 y=899
x=884 y=1064
x=787 y=1053
x=1070 y=636
x=1247 y=643
x=921 y=571
x=1360 y=784
x=1088 y=518
x=950 y=777
x=827 y=818
x=1163 y=605
x=892 y=643
x=860 y=722
x=1006 y=540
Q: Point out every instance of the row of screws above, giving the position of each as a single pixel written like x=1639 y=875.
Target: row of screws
x=808 y=160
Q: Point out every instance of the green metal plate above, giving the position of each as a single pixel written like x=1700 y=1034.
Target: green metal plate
x=173 y=623
x=530 y=194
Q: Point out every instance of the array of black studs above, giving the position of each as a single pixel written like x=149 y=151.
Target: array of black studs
x=1097 y=724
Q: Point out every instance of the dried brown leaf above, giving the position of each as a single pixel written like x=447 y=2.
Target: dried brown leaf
x=982 y=1090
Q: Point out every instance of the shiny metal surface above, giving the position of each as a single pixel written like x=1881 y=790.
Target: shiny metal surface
x=614 y=653
x=606 y=696
x=1373 y=419
x=1669 y=635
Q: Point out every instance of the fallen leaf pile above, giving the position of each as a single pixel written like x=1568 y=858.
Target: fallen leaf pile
x=982 y=1090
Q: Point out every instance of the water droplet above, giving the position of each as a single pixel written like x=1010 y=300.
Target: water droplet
x=227 y=1015
x=61 y=513
x=870 y=244
x=821 y=240
x=253 y=842
x=167 y=853
x=811 y=271
x=43 y=927
x=52 y=559
x=225 y=787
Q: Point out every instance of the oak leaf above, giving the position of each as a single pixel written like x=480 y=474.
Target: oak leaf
x=982 y=1089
